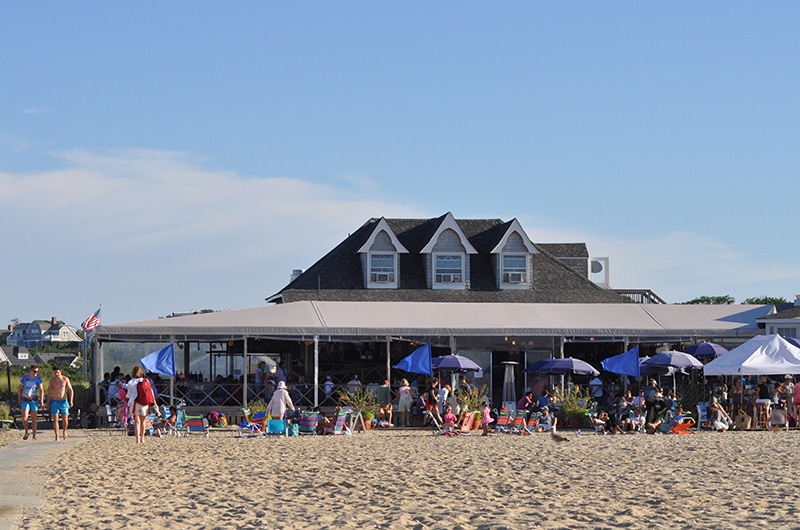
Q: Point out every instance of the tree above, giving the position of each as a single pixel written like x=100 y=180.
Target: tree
x=765 y=300
x=712 y=300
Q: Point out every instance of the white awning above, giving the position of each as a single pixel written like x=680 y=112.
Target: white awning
x=378 y=319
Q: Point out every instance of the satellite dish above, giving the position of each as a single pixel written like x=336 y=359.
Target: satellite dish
x=597 y=267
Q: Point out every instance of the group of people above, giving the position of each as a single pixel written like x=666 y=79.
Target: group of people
x=32 y=396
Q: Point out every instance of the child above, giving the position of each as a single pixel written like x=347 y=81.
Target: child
x=486 y=418
x=449 y=420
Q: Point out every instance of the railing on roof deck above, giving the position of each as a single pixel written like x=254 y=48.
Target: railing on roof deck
x=640 y=296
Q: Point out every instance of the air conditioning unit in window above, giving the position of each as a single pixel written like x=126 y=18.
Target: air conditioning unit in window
x=382 y=278
x=447 y=278
x=514 y=277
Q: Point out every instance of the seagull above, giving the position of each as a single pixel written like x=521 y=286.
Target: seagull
x=557 y=437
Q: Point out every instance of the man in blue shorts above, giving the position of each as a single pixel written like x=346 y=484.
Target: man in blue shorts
x=31 y=395
x=60 y=394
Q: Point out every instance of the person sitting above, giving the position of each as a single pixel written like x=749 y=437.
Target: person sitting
x=450 y=420
x=718 y=417
x=525 y=403
x=167 y=424
x=633 y=423
x=666 y=421
x=546 y=421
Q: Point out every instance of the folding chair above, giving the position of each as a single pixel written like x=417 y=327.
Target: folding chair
x=340 y=427
x=503 y=422
x=598 y=424
x=434 y=422
x=276 y=428
x=466 y=423
x=309 y=420
x=702 y=415
x=196 y=425
x=252 y=426
x=683 y=427
x=113 y=423
x=518 y=426
x=778 y=420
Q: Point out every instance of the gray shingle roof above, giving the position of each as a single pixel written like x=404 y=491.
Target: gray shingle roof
x=338 y=275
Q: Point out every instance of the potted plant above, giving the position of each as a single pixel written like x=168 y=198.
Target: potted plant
x=470 y=399
x=362 y=400
x=575 y=404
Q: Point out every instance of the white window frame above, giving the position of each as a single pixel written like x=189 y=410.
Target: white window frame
x=448 y=277
x=507 y=281
x=786 y=331
x=390 y=272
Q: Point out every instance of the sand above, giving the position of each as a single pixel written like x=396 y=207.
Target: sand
x=412 y=479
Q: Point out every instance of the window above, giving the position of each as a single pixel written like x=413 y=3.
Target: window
x=382 y=268
x=448 y=268
x=787 y=332
x=515 y=268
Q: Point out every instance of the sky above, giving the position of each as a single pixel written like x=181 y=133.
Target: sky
x=159 y=157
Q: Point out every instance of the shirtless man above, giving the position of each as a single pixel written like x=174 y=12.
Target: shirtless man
x=58 y=390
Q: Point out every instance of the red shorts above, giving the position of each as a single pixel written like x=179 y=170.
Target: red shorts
x=431 y=406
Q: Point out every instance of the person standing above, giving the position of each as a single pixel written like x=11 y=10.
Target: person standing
x=280 y=402
x=61 y=396
x=138 y=406
x=404 y=400
x=30 y=395
x=260 y=374
x=384 y=395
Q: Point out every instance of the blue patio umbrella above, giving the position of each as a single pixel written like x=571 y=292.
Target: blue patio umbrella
x=563 y=366
x=623 y=364
x=455 y=363
x=793 y=341
x=705 y=350
x=675 y=359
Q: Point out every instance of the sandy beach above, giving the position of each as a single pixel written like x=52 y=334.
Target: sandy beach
x=412 y=479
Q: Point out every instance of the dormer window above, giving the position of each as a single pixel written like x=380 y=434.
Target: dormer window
x=448 y=270
x=382 y=269
x=515 y=269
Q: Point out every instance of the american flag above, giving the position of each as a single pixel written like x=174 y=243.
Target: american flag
x=92 y=322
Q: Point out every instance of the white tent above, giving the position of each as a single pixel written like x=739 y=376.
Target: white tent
x=761 y=355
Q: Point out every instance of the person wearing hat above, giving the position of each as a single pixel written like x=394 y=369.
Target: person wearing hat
x=328 y=387
x=280 y=402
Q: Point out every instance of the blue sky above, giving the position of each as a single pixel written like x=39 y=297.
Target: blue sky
x=159 y=157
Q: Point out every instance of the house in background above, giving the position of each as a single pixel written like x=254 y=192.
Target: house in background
x=785 y=323
x=40 y=332
x=449 y=260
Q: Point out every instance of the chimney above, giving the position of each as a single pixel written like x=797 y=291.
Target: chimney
x=295 y=274
x=54 y=320
x=797 y=300
x=10 y=327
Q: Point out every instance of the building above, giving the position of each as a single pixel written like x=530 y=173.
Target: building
x=450 y=260
x=40 y=332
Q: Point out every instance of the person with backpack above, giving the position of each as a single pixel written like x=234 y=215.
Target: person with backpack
x=140 y=398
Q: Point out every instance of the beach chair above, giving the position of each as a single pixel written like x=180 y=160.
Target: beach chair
x=434 y=422
x=702 y=415
x=466 y=423
x=683 y=427
x=519 y=424
x=778 y=419
x=503 y=422
x=196 y=425
x=309 y=420
x=340 y=427
x=253 y=425
x=598 y=424
x=113 y=424
x=276 y=428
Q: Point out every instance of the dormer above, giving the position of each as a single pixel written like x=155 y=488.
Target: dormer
x=379 y=258
x=511 y=258
x=447 y=261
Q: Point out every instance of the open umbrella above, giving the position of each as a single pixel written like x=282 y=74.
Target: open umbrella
x=562 y=366
x=705 y=350
x=455 y=363
x=793 y=341
x=675 y=359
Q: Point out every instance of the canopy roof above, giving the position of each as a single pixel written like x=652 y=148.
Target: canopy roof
x=306 y=319
x=761 y=355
